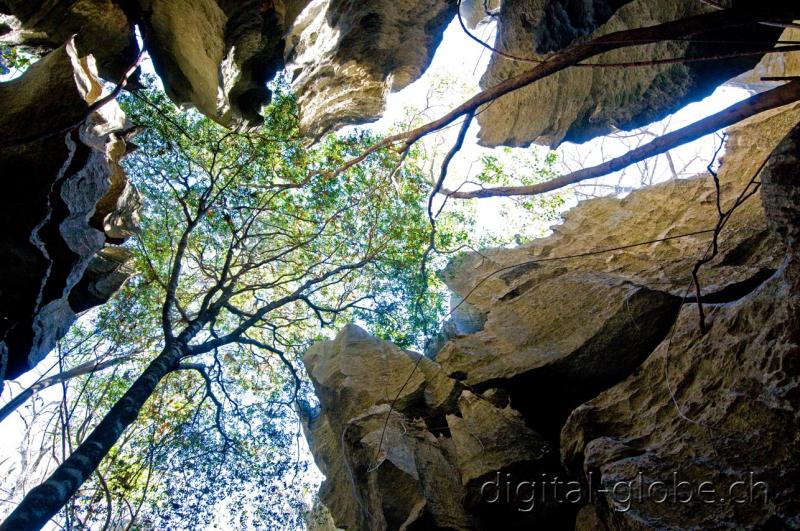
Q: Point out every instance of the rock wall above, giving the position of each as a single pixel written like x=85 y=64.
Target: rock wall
x=588 y=373
x=344 y=56
x=216 y=54
x=102 y=27
x=582 y=103
x=66 y=203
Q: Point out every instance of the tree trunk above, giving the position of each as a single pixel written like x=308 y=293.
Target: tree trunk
x=80 y=370
x=44 y=501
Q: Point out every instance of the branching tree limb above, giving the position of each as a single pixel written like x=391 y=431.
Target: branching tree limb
x=737 y=112
x=571 y=56
x=89 y=367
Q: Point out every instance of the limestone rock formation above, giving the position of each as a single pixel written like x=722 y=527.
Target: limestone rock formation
x=568 y=380
x=781 y=193
x=773 y=65
x=386 y=467
x=103 y=29
x=716 y=409
x=214 y=55
x=488 y=439
x=581 y=103
x=66 y=201
x=719 y=408
x=217 y=54
x=344 y=57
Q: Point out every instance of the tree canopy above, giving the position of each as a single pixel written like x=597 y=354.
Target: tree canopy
x=252 y=246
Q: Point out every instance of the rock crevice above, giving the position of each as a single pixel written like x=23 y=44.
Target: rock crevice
x=66 y=204
x=586 y=374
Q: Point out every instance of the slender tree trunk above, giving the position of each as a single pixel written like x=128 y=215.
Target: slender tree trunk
x=80 y=370
x=44 y=501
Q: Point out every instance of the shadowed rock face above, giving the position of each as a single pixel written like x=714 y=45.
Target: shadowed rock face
x=345 y=56
x=781 y=193
x=103 y=29
x=588 y=372
x=734 y=414
x=716 y=409
x=581 y=103
x=217 y=55
x=65 y=200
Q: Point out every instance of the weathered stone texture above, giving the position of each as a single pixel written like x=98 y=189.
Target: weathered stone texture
x=216 y=55
x=581 y=103
x=593 y=370
x=345 y=56
x=384 y=469
x=102 y=27
x=716 y=407
x=66 y=199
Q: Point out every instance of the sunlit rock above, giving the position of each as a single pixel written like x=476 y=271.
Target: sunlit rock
x=344 y=57
x=590 y=372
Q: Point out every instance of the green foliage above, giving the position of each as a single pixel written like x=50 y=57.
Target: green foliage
x=276 y=216
x=12 y=61
x=253 y=218
x=368 y=206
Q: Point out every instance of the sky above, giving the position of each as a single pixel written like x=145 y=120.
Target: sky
x=462 y=61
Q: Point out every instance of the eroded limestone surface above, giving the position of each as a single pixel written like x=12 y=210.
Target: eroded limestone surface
x=66 y=203
x=591 y=371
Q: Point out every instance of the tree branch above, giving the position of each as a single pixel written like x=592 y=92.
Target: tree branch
x=737 y=112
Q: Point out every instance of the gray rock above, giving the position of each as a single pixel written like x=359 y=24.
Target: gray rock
x=581 y=103
x=385 y=468
x=718 y=408
x=217 y=54
x=61 y=191
x=578 y=372
x=103 y=29
x=781 y=190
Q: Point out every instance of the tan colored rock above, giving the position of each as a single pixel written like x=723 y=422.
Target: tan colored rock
x=586 y=342
x=560 y=331
x=384 y=469
x=344 y=57
x=773 y=65
x=569 y=325
x=781 y=190
x=421 y=463
x=60 y=191
x=667 y=210
x=217 y=55
x=489 y=440
x=716 y=407
x=581 y=103
x=364 y=371
x=707 y=426
x=188 y=41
